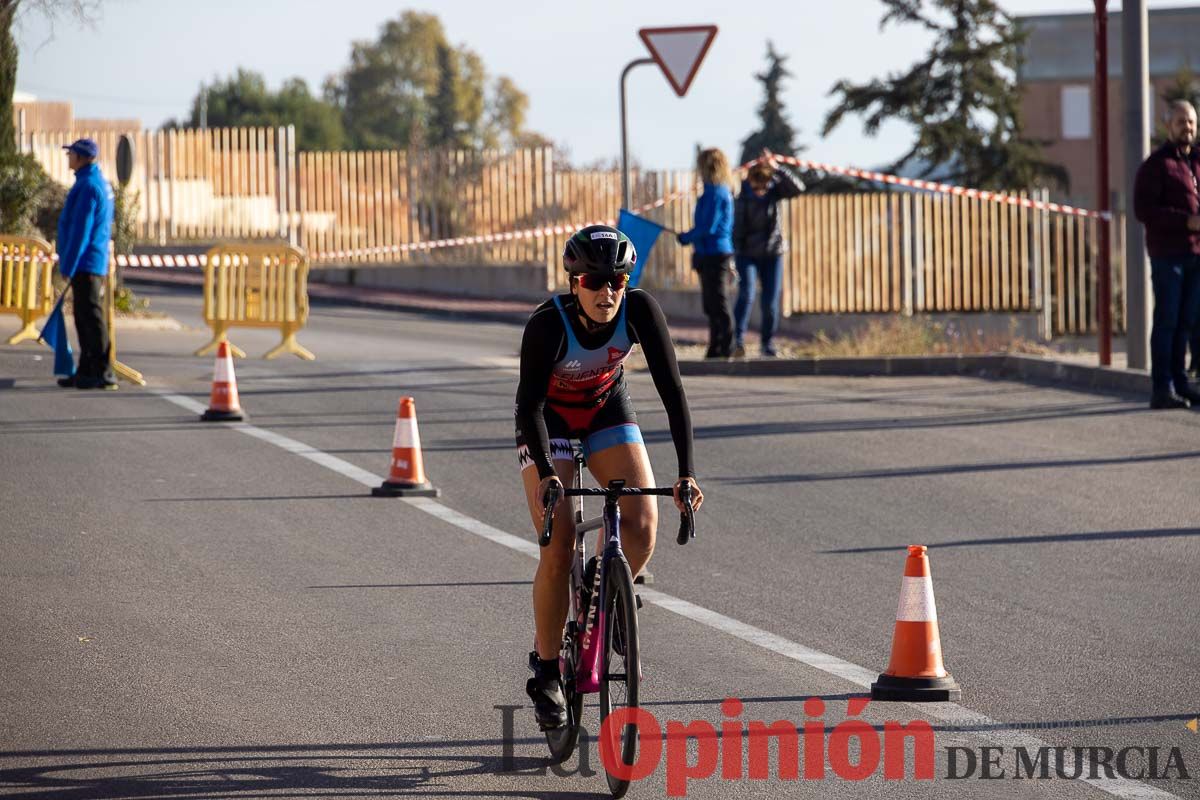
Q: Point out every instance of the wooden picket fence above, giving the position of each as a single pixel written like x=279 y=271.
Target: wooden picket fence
x=876 y=252
x=196 y=185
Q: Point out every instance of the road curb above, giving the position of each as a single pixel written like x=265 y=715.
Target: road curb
x=1031 y=369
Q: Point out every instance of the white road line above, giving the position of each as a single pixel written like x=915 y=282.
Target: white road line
x=951 y=713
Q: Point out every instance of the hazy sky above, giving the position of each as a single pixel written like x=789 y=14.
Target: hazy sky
x=146 y=59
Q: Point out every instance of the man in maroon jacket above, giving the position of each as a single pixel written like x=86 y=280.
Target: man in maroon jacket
x=1166 y=200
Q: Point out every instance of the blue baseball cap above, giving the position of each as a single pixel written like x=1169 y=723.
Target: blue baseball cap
x=84 y=147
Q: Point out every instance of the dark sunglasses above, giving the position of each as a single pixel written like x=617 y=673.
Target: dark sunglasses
x=594 y=283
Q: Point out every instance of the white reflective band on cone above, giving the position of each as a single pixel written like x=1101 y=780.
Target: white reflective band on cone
x=916 y=600
x=223 y=373
x=406 y=433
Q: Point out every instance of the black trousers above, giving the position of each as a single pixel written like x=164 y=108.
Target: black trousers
x=91 y=327
x=714 y=272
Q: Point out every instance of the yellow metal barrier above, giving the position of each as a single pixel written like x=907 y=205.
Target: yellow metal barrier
x=110 y=311
x=256 y=286
x=26 y=268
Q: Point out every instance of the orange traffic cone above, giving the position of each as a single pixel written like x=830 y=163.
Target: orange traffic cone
x=223 y=405
x=916 y=672
x=407 y=475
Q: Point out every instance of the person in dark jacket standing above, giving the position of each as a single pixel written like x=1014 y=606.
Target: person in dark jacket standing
x=1166 y=200
x=84 y=232
x=712 y=238
x=758 y=246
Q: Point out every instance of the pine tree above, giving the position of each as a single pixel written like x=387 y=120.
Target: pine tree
x=444 y=104
x=961 y=99
x=775 y=132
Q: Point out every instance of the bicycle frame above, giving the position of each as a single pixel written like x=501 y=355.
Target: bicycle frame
x=591 y=639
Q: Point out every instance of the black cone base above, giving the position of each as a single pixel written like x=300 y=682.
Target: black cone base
x=389 y=489
x=916 y=690
x=212 y=415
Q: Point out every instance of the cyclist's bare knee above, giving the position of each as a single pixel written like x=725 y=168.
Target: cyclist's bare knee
x=555 y=558
x=638 y=525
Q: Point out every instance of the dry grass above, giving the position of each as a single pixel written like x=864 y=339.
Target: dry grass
x=896 y=336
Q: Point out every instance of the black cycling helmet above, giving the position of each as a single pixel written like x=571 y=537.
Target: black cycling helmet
x=599 y=250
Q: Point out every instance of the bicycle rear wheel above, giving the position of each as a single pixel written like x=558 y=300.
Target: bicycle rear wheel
x=622 y=674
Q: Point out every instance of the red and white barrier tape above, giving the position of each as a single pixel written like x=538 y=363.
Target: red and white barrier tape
x=944 y=188
x=490 y=238
x=166 y=260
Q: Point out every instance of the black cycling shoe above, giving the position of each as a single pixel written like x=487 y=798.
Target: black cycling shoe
x=67 y=382
x=546 y=692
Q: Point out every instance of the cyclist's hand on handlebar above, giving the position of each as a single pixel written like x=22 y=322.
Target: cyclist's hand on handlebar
x=697 y=495
x=542 y=490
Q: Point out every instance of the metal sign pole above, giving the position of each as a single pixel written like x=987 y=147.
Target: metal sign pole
x=1104 y=272
x=626 y=191
x=1135 y=78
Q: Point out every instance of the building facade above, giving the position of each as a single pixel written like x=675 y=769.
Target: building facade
x=1056 y=79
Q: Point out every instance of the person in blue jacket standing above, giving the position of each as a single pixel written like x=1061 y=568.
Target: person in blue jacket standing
x=712 y=238
x=84 y=232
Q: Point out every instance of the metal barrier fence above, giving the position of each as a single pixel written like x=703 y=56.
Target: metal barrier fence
x=27 y=266
x=26 y=269
x=110 y=316
x=256 y=285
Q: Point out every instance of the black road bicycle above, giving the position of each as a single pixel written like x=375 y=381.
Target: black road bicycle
x=600 y=647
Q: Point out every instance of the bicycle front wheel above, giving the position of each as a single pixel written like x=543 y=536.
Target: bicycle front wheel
x=622 y=667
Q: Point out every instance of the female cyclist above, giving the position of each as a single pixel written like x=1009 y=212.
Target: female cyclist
x=572 y=386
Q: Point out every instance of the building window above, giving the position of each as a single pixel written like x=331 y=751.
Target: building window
x=1076 y=112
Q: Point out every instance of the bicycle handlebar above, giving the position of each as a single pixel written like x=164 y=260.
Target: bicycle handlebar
x=687 y=520
x=555 y=492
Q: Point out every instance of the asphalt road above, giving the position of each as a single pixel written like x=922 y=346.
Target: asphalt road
x=189 y=611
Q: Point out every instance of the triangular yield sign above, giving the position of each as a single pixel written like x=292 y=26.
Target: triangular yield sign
x=679 y=51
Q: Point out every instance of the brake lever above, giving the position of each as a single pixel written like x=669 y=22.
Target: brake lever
x=687 y=520
x=553 y=493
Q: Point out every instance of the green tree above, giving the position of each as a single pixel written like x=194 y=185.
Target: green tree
x=27 y=194
x=81 y=10
x=243 y=99
x=506 y=117
x=8 y=78
x=411 y=86
x=384 y=92
x=775 y=132
x=961 y=99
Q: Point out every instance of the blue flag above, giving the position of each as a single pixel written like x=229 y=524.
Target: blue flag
x=643 y=233
x=54 y=333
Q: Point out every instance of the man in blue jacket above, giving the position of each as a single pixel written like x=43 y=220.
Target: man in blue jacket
x=84 y=232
